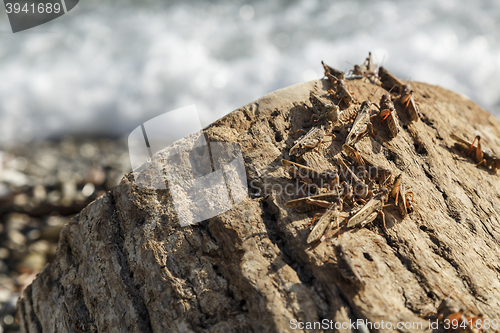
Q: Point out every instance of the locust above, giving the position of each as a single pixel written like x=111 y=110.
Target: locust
x=338 y=75
x=333 y=214
x=341 y=91
x=453 y=315
x=381 y=175
x=402 y=198
x=370 y=210
x=324 y=111
x=369 y=64
x=352 y=178
x=388 y=116
x=489 y=160
x=311 y=139
x=305 y=204
x=311 y=176
x=389 y=122
x=367 y=69
x=388 y=80
x=386 y=102
x=361 y=124
x=348 y=269
x=409 y=202
x=406 y=99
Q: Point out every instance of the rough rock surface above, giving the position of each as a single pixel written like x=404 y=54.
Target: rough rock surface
x=125 y=265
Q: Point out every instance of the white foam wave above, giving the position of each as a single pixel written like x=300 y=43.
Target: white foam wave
x=105 y=68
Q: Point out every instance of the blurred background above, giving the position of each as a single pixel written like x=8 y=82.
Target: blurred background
x=74 y=88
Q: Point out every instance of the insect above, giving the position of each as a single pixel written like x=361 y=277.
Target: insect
x=489 y=160
x=370 y=210
x=361 y=190
x=348 y=269
x=389 y=121
x=402 y=198
x=406 y=98
x=369 y=64
x=338 y=75
x=388 y=80
x=378 y=173
x=341 y=91
x=332 y=214
x=367 y=69
x=323 y=110
x=453 y=317
x=305 y=204
x=388 y=114
x=361 y=124
x=311 y=139
x=321 y=179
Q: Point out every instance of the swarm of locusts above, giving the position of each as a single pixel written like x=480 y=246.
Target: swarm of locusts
x=358 y=190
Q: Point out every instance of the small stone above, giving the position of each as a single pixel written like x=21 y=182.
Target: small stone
x=39 y=192
x=88 y=150
x=34 y=234
x=96 y=176
x=4 y=191
x=4 y=253
x=21 y=199
x=5 y=295
x=54 y=197
x=14 y=178
x=41 y=246
x=88 y=189
x=17 y=237
x=34 y=261
x=8 y=320
x=20 y=163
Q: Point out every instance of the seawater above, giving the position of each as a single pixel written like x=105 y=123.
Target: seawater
x=106 y=67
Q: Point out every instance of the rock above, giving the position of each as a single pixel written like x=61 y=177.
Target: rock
x=124 y=264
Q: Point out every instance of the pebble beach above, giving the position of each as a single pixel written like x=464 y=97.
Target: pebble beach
x=42 y=186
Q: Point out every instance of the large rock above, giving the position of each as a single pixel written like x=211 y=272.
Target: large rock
x=124 y=264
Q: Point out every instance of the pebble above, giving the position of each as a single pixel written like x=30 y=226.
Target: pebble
x=38 y=182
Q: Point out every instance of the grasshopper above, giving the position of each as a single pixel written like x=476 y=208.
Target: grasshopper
x=351 y=178
x=348 y=269
x=342 y=92
x=323 y=110
x=489 y=160
x=370 y=210
x=402 y=198
x=311 y=139
x=381 y=175
x=409 y=202
x=335 y=72
x=386 y=102
x=388 y=80
x=367 y=69
x=453 y=314
x=332 y=214
x=406 y=98
x=361 y=124
x=388 y=114
x=305 y=204
x=311 y=176
x=369 y=64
